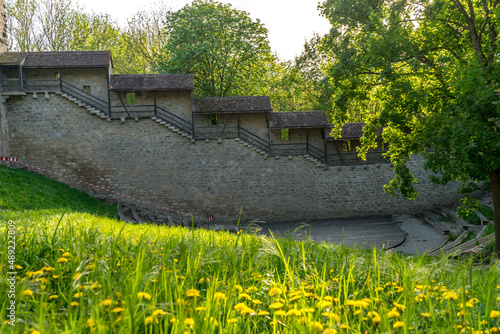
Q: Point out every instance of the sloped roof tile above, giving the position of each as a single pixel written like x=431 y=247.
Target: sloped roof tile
x=150 y=82
x=232 y=104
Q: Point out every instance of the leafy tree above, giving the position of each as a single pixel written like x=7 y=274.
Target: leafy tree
x=225 y=49
x=433 y=68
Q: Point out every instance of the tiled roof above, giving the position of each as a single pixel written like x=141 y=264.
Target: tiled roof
x=152 y=82
x=12 y=58
x=301 y=119
x=352 y=131
x=69 y=59
x=232 y=104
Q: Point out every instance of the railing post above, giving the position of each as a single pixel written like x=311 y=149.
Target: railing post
x=326 y=152
x=268 y=131
x=154 y=96
x=307 y=141
x=238 y=118
x=60 y=81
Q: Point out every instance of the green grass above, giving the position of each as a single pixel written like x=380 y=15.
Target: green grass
x=473 y=219
x=486 y=211
x=82 y=271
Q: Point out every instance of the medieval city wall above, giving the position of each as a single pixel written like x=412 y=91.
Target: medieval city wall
x=146 y=160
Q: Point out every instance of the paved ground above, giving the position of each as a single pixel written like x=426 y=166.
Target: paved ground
x=419 y=236
x=366 y=231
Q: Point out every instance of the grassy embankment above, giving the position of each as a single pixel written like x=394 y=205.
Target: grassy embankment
x=82 y=271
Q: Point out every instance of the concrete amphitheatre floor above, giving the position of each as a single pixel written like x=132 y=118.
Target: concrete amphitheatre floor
x=406 y=235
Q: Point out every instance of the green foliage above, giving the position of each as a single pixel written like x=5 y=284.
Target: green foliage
x=433 y=69
x=226 y=50
x=486 y=211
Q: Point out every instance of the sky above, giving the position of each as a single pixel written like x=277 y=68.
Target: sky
x=289 y=22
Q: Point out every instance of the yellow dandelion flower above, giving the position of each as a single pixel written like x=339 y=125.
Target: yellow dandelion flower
x=232 y=321
x=361 y=304
x=192 y=293
x=189 y=322
x=62 y=260
x=34 y=331
x=53 y=297
x=256 y=302
x=275 y=292
x=251 y=289
x=181 y=301
x=27 y=293
x=494 y=314
x=247 y=310
x=331 y=315
x=376 y=320
x=399 y=306
x=18 y=267
x=280 y=313
x=324 y=303
x=237 y=288
x=78 y=294
x=173 y=320
x=393 y=313
x=450 y=295
x=143 y=295
x=425 y=315
x=200 y=308
x=398 y=324
x=308 y=310
x=117 y=310
x=263 y=313
x=329 y=331
x=158 y=312
x=55 y=276
x=76 y=276
x=317 y=326
x=219 y=296
x=90 y=322
x=276 y=305
x=75 y=303
x=66 y=254
x=106 y=302
x=150 y=320
x=293 y=311
x=244 y=296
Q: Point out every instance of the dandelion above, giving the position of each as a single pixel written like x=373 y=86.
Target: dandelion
x=150 y=320
x=219 y=296
x=106 y=302
x=398 y=324
x=247 y=310
x=117 y=310
x=276 y=305
x=237 y=288
x=18 y=267
x=90 y=322
x=317 y=326
x=158 y=312
x=76 y=276
x=293 y=311
x=200 y=308
x=494 y=314
x=143 y=295
x=55 y=276
x=244 y=296
x=275 y=292
x=393 y=313
x=66 y=254
x=27 y=293
x=425 y=315
x=192 y=293
x=256 y=302
x=78 y=294
x=324 y=303
x=329 y=331
x=62 y=260
x=232 y=321
x=450 y=295
x=280 y=313
x=189 y=322
x=263 y=313
x=74 y=304
x=331 y=315
x=399 y=306
x=53 y=297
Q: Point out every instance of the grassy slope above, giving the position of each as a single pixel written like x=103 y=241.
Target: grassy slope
x=110 y=263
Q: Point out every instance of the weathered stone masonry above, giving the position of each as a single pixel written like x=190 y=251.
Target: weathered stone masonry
x=144 y=159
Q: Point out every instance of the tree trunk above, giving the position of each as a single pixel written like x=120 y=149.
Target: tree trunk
x=495 y=192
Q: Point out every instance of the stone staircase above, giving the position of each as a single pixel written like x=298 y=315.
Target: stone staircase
x=89 y=108
x=171 y=127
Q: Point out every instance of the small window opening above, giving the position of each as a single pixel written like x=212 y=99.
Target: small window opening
x=285 y=134
x=212 y=119
x=86 y=89
x=130 y=98
x=347 y=145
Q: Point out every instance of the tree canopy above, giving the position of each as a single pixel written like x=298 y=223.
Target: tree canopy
x=222 y=46
x=433 y=69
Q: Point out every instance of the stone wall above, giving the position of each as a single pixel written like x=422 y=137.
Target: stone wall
x=146 y=160
x=4 y=44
